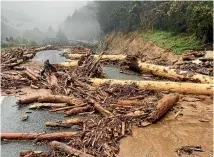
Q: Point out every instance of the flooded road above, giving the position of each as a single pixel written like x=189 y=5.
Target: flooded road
x=54 y=56
x=11 y=122
x=160 y=139
x=164 y=137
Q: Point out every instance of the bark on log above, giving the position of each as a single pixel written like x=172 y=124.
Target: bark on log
x=77 y=110
x=39 y=136
x=163 y=106
x=60 y=99
x=64 y=108
x=52 y=81
x=30 y=153
x=180 y=87
x=69 y=150
x=65 y=123
x=104 y=57
x=173 y=73
x=103 y=111
x=14 y=64
x=130 y=102
x=41 y=105
x=67 y=64
x=28 y=99
x=30 y=75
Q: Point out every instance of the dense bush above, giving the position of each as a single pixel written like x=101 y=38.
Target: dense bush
x=192 y=17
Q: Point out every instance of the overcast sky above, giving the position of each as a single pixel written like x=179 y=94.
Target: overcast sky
x=42 y=13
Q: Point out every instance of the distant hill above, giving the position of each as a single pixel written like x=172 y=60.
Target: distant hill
x=82 y=25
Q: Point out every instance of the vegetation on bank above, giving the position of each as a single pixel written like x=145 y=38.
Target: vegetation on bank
x=173 y=20
x=176 y=43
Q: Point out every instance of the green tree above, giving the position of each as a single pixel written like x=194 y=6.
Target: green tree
x=61 y=39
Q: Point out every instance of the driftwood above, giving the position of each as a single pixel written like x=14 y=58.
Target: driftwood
x=69 y=150
x=173 y=73
x=77 y=110
x=28 y=99
x=104 y=57
x=39 y=136
x=30 y=75
x=102 y=110
x=67 y=64
x=179 y=87
x=65 y=108
x=30 y=153
x=130 y=102
x=65 y=123
x=163 y=106
x=60 y=99
x=41 y=105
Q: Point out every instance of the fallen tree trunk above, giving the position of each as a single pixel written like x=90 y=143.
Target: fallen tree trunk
x=174 y=73
x=14 y=64
x=30 y=75
x=28 y=99
x=65 y=108
x=39 y=136
x=52 y=81
x=180 y=87
x=104 y=57
x=67 y=64
x=67 y=149
x=65 y=123
x=103 y=111
x=130 y=102
x=41 y=105
x=163 y=106
x=31 y=153
x=77 y=110
x=60 y=99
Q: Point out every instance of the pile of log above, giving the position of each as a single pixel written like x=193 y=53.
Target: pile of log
x=106 y=109
x=203 y=67
x=132 y=62
x=16 y=56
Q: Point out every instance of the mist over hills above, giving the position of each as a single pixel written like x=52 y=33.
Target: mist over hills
x=43 y=19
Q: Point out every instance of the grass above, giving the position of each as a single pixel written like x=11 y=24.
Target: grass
x=176 y=43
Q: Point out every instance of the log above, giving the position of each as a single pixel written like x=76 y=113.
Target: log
x=65 y=123
x=41 y=105
x=179 y=87
x=28 y=99
x=31 y=153
x=102 y=110
x=14 y=64
x=204 y=59
x=173 y=73
x=39 y=136
x=30 y=75
x=104 y=57
x=52 y=81
x=67 y=64
x=60 y=99
x=67 y=149
x=77 y=110
x=130 y=102
x=163 y=106
x=64 y=108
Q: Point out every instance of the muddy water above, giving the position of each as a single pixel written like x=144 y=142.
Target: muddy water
x=163 y=138
x=114 y=73
x=54 y=56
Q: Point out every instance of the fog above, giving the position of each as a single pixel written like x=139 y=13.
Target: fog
x=25 y=18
